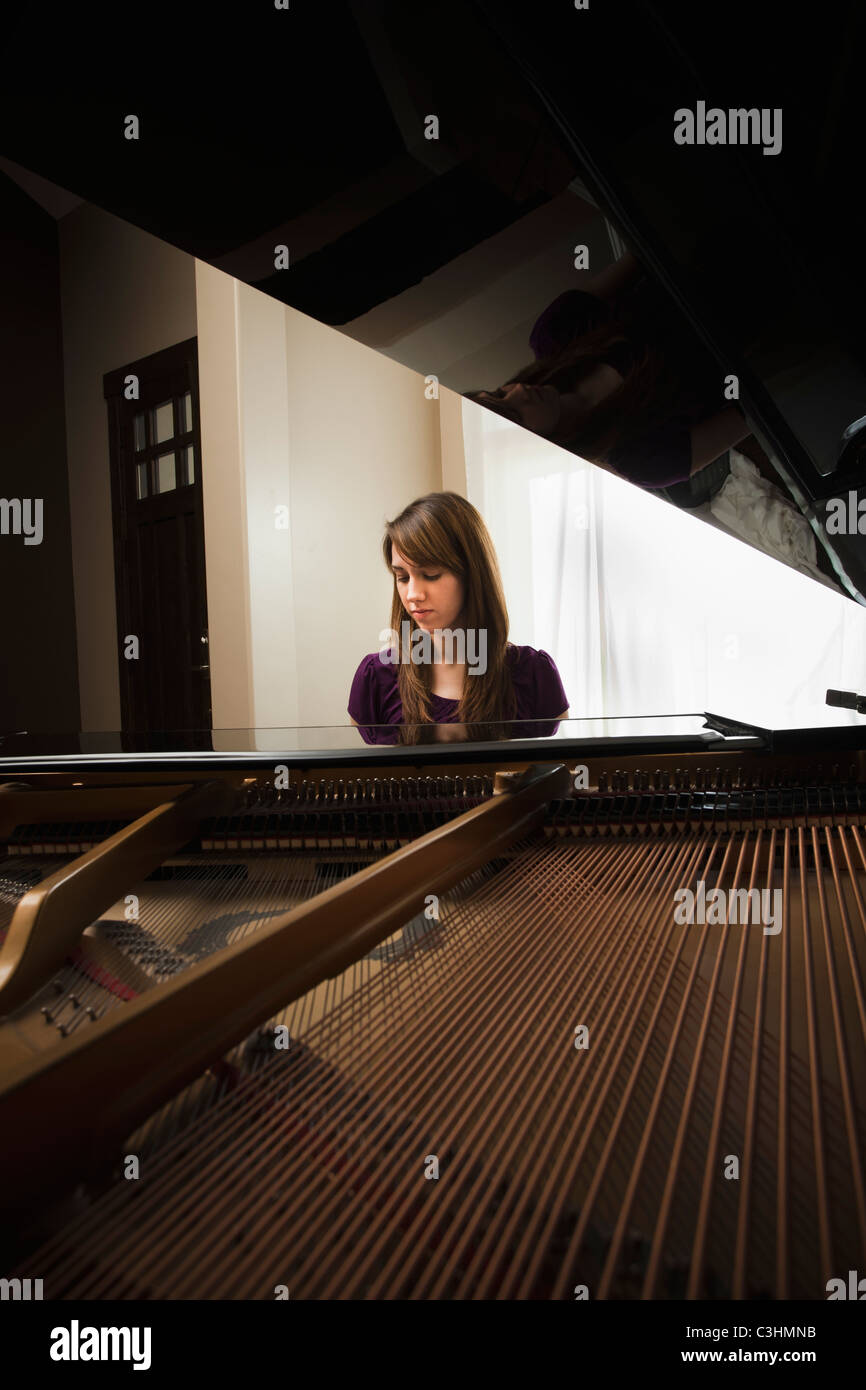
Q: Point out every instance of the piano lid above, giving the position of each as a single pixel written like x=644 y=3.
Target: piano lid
x=459 y=219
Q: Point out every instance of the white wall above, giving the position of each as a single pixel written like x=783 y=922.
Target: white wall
x=124 y=294
x=299 y=415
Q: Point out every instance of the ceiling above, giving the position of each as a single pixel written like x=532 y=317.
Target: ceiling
x=56 y=201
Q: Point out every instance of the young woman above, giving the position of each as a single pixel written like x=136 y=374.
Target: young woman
x=618 y=380
x=447 y=586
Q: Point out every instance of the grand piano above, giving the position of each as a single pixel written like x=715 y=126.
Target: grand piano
x=422 y=1023
x=286 y=1015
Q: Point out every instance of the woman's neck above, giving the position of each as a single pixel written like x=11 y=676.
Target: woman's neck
x=447 y=650
x=447 y=680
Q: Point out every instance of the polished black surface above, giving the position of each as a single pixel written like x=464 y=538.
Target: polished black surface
x=309 y=124
x=20 y=754
x=232 y=748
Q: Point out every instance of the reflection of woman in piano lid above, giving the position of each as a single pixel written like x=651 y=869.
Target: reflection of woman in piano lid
x=619 y=380
x=447 y=659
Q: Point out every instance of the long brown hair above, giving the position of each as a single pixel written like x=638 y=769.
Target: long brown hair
x=646 y=396
x=443 y=530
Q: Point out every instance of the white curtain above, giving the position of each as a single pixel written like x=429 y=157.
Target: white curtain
x=644 y=608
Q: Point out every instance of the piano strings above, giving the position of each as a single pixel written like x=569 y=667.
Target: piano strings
x=617 y=1105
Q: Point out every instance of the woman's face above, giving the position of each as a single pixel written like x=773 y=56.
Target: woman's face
x=537 y=408
x=434 y=596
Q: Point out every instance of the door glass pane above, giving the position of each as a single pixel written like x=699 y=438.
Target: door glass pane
x=164 y=422
x=139 y=432
x=186 y=411
x=166 y=477
x=141 y=480
x=188 y=455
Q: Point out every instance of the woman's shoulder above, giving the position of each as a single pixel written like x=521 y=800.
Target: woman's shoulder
x=375 y=672
x=374 y=697
x=537 y=683
x=528 y=658
x=532 y=668
x=375 y=664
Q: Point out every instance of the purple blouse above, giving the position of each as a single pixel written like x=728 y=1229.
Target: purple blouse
x=538 y=690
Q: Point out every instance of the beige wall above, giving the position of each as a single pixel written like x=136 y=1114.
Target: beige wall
x=364 y=441
x=451 y=447
x=293 y=414
x=124 y=294
x=224 y=502
x=298 y=415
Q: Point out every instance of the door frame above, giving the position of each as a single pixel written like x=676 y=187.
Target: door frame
x=178 y=357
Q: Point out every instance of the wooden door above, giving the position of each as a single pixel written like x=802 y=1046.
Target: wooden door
x=155 y=450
